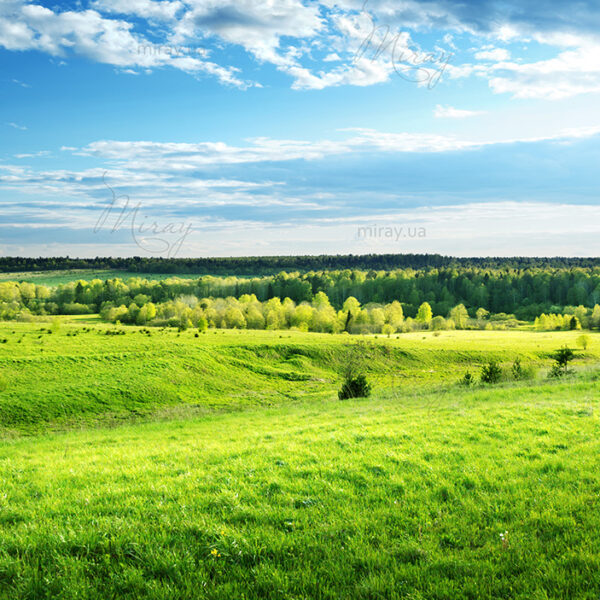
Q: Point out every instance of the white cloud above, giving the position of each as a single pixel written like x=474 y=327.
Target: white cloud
x=449 y=112
x=39 y=154
x=167 y=175
x=502 y=228
x=20 y=83
x=363 y=43
x=89 y=34
x=16 y=126
x=495 y=54
x=146 y=9
x=181 y=158
x=572 y=72
x=279 y=32
x=256 y=25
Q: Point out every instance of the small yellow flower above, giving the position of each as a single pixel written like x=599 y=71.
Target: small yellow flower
x=215 y=552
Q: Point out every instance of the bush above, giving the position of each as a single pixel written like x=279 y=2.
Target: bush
x=517 y=369
x=355 y=387
x=556 y=371
x=76 y=308
x=521 y=373
x=562 y=357
x=491 y=373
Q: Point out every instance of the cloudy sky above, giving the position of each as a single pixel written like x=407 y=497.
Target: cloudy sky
x=233 y=127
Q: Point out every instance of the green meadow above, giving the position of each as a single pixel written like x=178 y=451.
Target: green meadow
x=57 y=277
x=152 y=463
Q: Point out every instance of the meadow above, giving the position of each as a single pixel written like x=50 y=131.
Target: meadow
x=85 y=371
x=153 y=463
x=62 y=276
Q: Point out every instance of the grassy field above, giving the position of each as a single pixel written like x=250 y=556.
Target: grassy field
x=389 y=497
x=52 y=278
x=234 y=471
x=79 y=374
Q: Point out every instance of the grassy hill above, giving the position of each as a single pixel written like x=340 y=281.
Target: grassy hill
x=236 y=473
x=84 y=372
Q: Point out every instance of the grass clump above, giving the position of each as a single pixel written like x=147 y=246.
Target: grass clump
x=467 y=379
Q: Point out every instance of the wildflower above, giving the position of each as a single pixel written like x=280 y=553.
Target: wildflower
x=215 y=553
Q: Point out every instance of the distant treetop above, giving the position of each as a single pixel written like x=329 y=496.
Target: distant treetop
x=255 y=265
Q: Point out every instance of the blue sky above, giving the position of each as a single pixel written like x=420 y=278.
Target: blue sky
x=233 y=127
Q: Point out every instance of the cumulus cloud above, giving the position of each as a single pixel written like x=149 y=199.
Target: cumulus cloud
x=499 y=18
x=572 y=72
x=90 y=34
x=147 y=9
x=362 y=43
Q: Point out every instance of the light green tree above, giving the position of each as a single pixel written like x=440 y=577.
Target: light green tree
x=438 y=323
x=351 y=304
x=459 y=315
x=424 y=314
x=584 y=341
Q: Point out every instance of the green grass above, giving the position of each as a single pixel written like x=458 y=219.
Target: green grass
x=80 y=375
x=52 y=278
x=234 y=471
x=390 y=497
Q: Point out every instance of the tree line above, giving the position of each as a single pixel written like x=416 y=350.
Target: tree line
x=525 y=294
x=319 y=315
x=260 y=265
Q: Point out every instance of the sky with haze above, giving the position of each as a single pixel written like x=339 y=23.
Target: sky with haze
x=247 y=127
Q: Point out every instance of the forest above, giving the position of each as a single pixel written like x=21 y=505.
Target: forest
x=483 y=297
x=263 y=265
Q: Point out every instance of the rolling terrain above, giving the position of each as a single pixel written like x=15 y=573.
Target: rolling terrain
x=139 y=463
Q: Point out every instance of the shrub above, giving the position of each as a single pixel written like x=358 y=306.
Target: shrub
x=556 y=371
x=563 y=356
x=517 y=369
x=76 y=308
x=467 y=379
x=354 y=387
x=521 y=373
x=491 y=373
